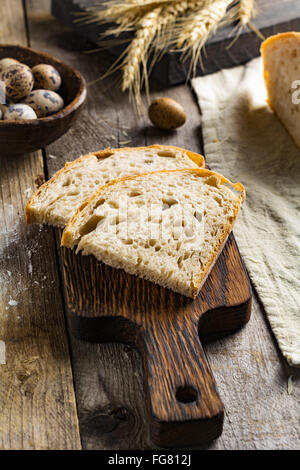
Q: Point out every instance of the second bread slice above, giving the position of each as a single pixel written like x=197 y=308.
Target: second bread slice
x=168 y=226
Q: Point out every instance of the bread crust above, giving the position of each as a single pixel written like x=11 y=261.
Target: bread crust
x=30 y=217
x=263 y=50
x=275 y=37
x=269 y=42
x=68 y=239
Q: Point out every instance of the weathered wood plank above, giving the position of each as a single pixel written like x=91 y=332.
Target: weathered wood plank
x=108 y=377
x=37 y=400
x=252 y=377
x=13 y=28
x=250 y=373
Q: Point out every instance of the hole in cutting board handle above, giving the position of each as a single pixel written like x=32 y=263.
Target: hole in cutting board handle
x=186 y=394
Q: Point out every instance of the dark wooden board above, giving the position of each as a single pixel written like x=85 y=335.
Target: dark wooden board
x=222 y=51
x=106 y=304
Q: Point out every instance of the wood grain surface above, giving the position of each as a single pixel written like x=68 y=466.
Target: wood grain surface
x=37 y=399
x=261 y=411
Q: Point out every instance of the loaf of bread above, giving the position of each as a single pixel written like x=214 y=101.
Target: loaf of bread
x=57 y=200
x=281 y=60
x=166 y=226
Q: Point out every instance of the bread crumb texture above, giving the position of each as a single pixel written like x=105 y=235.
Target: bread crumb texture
x=168 y=226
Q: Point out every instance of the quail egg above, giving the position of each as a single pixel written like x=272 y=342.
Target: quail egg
x=18 y=80
x=19 y=112
x=44 y=102
x=46 y=77
x=166 y=113
x=7 y=62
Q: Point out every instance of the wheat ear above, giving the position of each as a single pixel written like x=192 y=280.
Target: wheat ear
x=196 y=29
x=151 y=35
x=246 y=11
x=138 y=53
x=125 y=15
x=170 y=15
x=160 y=24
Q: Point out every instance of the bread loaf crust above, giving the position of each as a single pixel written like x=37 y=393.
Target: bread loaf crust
x=278 y=40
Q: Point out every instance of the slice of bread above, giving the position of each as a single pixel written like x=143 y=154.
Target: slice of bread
x=56 y=201
x=281 y=59
x=167 y=226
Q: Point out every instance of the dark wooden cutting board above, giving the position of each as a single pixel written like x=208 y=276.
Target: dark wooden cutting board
x=105 y=304
x=223 y=50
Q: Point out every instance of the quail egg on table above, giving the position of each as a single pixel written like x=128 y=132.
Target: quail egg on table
x=7 y=62
x=46 y=77
x=18 y=80
x=166 y=113
x=44 y=102
x=19 y=112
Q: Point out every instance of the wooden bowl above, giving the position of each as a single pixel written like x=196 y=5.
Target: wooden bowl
x=19 y=137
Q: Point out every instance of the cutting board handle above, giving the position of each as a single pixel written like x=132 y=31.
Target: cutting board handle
x=182 y=391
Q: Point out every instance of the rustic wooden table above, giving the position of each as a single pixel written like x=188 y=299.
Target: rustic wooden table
x=57 y=392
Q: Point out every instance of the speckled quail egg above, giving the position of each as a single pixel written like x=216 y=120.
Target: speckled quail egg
x=46 y=77
x=7 y=62
x=18 y=80
x=166 y=113
x=19 y=112
x=44 y=102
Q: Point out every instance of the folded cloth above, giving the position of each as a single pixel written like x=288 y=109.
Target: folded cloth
x=246 y=142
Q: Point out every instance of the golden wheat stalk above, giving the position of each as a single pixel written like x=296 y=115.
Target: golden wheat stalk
x=151 y=35
x=169 y=17
x=137 y=54
x=161 y=25
x=126 y=15
x=197 y=28
x=246 y=11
